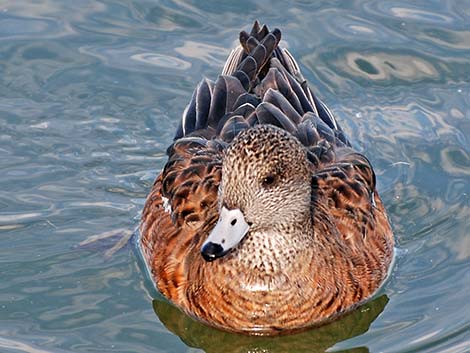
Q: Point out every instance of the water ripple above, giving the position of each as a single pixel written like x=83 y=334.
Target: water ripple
x=165 y=61
x=91 y=93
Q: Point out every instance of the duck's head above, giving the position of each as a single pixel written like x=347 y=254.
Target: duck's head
x=265 y=185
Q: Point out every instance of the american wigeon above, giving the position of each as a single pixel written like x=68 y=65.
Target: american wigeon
x=264 y=219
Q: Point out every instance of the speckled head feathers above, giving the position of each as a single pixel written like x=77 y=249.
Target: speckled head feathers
x=266 y=174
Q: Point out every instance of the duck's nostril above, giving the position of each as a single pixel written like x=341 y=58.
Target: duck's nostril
x=212 y=251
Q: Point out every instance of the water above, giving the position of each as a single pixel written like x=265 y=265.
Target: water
x=90 y=96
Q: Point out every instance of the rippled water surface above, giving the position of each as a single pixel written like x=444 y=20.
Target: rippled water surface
x=90 y=96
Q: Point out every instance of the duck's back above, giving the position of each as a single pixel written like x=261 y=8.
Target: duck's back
x=260 y=84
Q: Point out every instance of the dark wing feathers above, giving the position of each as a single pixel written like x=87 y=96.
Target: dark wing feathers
x=196 y=114
x=226 y=91
x=290 y=87
x=307 y=132
x=203 y=99
x=227 y=133
x=261 y=83
x=232 y=127
x=246 y=98
x=280 y=101
x=268 y=113
x=188 y=121
x=290 y=90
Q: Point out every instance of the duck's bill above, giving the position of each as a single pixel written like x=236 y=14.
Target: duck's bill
x=227 y=234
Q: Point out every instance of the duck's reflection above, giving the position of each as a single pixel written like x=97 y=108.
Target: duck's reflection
x=318 y=339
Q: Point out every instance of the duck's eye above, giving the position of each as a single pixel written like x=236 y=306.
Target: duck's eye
x=269 y=180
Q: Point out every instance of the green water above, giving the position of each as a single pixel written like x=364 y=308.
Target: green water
x=90 y=95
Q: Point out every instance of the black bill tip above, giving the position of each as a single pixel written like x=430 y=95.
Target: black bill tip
x=212 y=251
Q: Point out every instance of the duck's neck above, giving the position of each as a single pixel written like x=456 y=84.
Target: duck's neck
x=274 y=250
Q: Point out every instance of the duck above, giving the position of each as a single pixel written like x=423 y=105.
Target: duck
x=264 y=220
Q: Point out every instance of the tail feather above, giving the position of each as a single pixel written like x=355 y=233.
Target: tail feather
x=261 y=83
x=280 y=101
x=250 y=67
x=226 y=91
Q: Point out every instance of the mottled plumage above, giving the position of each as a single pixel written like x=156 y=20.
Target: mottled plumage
x=301 y=236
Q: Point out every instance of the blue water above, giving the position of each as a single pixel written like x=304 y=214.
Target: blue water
x=90 y=95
